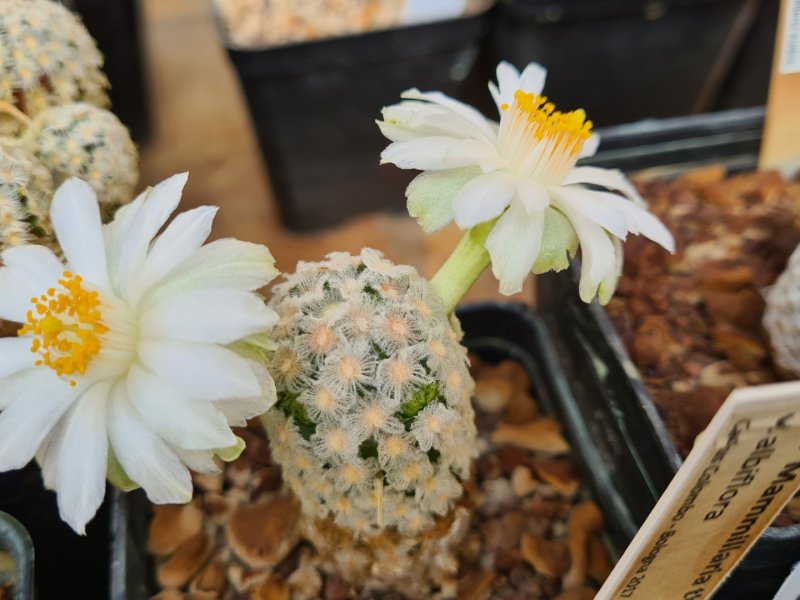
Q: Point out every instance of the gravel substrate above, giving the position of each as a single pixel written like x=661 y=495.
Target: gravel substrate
x=692 y=321
x=533 y=534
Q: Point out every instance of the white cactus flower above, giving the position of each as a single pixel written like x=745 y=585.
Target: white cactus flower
x=137 y=355
x=520 y=172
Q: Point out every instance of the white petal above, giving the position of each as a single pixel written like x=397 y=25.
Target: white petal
x=638 y=219
x=15 y=296
x=117 y=231
x=36 y=265
x=38 y=399
x=590 y=146
x=159 y=204
x=513 y=245
x=48 y=454
x=238 y=410
x=436 y=153
x=534 y=197
x=580 y=201
x=189 y=424
x=79 y=229
x=180 y=240
x=83 y=458
x=474 y=122
x=219 y=316
x=483 y=198
x=411 y=119
x=612 y=179
x=201 y=461
x=532 y=79
x=145 y=457
x=430 y=196
x=15 y=355
x=599 y=262
x=202 y=371
x=223 y=263
x=507 y=84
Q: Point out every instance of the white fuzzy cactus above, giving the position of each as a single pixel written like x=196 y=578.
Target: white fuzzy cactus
x=782 y=316
x=25 y=192
x=46 y=58
x=373 y=425
x=84 y=141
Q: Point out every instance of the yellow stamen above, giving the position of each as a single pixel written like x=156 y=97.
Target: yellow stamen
x=66 y=324
x=568 y=130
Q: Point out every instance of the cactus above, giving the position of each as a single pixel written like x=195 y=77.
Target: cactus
x=26 y=188
x=81 y=140
x=782 y=316
x=46 y=58
x=373 y=426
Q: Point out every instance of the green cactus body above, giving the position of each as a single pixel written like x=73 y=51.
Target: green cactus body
x=373 y=424
x=46 y=58
x=25 y=192
x=82 y=140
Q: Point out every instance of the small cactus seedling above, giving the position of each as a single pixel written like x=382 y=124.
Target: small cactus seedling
x=26 y=188
x=46 y=58
x=84 y=141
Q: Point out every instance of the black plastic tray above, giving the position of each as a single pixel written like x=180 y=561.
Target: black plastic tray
x=14 y=540
x=494 y=331
x=313 y=107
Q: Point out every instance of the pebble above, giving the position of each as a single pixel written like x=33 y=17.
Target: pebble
x=179 y=568
x=263 y=534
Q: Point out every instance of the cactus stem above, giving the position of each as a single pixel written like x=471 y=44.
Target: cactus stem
x=460 y=271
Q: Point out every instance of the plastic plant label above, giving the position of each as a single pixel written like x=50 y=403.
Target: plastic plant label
x=780 y=148
x=742 y=470
x=790 y=39
x=426 y=11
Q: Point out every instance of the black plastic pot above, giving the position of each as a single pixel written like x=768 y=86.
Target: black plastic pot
x=14 y=540
x=494 y=332
x=67 y=565
x=624 y=60
x=615 y=410
x=313 y=107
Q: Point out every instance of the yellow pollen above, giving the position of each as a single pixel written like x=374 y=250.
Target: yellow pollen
x=66 y=325
x=568 y=130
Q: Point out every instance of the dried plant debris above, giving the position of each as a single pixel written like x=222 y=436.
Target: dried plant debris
x=692 y=321
x=7 y=573
x=532 y=535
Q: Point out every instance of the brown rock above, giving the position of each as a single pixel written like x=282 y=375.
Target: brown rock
x=728 y=279
x=211 y=579
x=219 y=508
x=273 y=588
x=651 y=341
x=551 y=558
x=559 y=473
x=522 y=481
x=599 y=567
x=239 y=473
x=208 y=482
x=510 y=370
x=263 y=534
x=742 y=308
x=580 y=593
x=168 y=594
x=503 y=532
x=336 y=589
x=185 y=562
x=521 y=409
x=585 y=520
x=476 y=585
x=171 y=526
x=492 y=395
x=744 y=350
x=543 y=435
x=305 y=583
